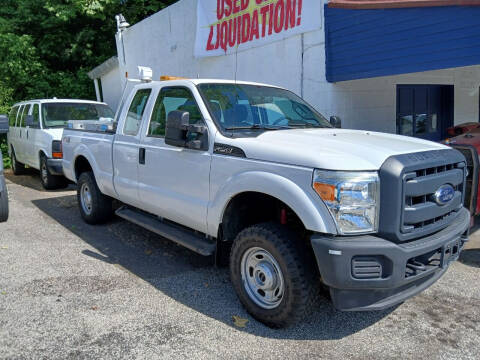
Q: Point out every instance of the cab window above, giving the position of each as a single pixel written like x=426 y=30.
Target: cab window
x=170 y=99
x=12 y=116
x=135 y=112
x=36 y=116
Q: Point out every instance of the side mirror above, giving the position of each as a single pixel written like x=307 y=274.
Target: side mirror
x=336 y=122
x=176 y=128
x=29 y=120
x=3 y=124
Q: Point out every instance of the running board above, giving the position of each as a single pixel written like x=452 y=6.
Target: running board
x=181 y=236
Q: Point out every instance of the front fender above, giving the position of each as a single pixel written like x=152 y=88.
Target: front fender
x=306 y=204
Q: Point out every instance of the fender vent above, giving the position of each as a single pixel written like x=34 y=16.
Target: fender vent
x=366 y=268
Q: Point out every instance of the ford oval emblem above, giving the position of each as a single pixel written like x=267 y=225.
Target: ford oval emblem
x=444 y=194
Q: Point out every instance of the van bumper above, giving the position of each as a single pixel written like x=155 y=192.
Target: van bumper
x=55 y=166
x=370 y=273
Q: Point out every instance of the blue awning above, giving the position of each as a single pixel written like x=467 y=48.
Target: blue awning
x=378 y=42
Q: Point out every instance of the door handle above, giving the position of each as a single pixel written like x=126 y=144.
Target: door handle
x=141 y=156
x=27 y=134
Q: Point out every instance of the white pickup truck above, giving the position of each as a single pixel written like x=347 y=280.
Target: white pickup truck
x=254 y=175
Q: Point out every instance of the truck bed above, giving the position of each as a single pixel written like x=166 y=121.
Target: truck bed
x=96 y=147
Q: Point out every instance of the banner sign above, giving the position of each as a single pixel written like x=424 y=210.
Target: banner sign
x=227 y=26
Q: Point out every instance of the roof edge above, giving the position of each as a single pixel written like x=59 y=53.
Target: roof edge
x=395 y=4
x=103 y=68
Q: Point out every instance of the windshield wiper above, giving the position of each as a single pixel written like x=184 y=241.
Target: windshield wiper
x=256 y=127
x=307 y=125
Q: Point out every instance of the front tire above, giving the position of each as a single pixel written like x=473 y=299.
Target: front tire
x=49 y=181
x=95 y=207
x=272 y=279
x=17 y=167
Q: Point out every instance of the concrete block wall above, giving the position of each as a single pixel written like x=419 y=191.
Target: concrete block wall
x=165 y=42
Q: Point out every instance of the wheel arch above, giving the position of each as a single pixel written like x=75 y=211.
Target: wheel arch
x=309 y=209
x=81 y=164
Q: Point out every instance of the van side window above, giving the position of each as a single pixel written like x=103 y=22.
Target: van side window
x=135 y=112
x=170 y=99
x=36 y=116
x=12 y=116
x=19 y=115
x=26 y=109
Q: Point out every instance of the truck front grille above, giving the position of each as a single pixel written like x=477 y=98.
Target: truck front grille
x=408 y=182
x=420 y=209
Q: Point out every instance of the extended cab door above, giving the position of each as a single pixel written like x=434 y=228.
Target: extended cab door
x=126 y=148
x=174 y=182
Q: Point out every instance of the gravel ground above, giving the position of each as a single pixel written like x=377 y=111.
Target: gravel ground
x=70 y=290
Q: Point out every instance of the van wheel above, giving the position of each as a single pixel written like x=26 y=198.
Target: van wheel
x=270 y=276
x=49 y=181
x=3 y=200
x=17 y=167
x=95 y=207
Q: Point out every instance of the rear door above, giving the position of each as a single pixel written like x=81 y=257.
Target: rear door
x=20 y=149
x=174 y=182
x=32 y=144
x=12 y=119
x=14 y=134
x=126 y=148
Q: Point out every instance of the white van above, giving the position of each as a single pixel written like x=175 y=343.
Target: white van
x=35 y=134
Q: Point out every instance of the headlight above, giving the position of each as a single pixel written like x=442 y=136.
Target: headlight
x=351 y=197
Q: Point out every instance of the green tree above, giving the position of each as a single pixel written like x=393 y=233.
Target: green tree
x=47 y=47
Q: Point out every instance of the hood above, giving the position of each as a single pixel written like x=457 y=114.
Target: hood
x=55 y=133
x=333 y=149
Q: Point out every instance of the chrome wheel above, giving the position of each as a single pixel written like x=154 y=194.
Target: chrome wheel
x=262 y=278
x=86 y=199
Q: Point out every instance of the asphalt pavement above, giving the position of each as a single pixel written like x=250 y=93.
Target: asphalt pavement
x=71 y=290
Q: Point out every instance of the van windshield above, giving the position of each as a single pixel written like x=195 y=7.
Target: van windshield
x=58 y=114
x=238 y=106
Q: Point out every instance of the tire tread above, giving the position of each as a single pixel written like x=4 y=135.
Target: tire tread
x=102 y=204
x=305 y=290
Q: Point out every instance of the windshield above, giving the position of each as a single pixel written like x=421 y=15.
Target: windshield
x=58 y=114
x=237 y=106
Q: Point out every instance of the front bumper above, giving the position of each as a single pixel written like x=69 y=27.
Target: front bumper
x=370 y=273
x=55 y=166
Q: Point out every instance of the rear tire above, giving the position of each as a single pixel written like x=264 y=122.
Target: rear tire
x=95 y=207
x=49 y=181
x=17 y=167
x=273 y=279
x=3 y=200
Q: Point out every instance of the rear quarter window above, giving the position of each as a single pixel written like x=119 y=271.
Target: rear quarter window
x=135 y=112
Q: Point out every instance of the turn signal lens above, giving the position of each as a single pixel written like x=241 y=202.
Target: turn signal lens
x=326 y=191
x=57 y=155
